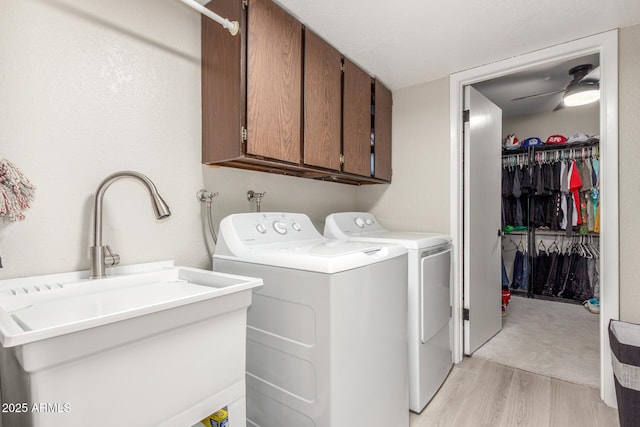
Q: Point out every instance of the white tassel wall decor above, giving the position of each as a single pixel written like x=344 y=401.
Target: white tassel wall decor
x=16 y=192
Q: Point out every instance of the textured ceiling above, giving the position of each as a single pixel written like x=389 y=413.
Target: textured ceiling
x=406 y=42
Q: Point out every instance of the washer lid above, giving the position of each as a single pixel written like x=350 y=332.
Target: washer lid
x=331 y=256
x=364 y=227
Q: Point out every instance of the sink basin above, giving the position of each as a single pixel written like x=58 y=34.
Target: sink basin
x=43 y=307
x=153 y=344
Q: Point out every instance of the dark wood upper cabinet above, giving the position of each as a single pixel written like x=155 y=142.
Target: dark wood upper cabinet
x=253 y=82
x=356 y=118
x=274 y=82
x=322 y=103
x=382 y=124
x=274 y=99
x=223 y=97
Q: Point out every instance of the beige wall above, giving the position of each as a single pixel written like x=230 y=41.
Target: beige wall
x=585 y=119
x=317 y=199
x=418 y=198
x=629 y=129
x=90 y=87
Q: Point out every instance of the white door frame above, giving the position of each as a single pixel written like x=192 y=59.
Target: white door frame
x=605 y=44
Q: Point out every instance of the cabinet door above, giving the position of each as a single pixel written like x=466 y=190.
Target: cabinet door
x=356 y=120
x=274 y=83
x=382 y=126
x=322 y=103
x=222 y=85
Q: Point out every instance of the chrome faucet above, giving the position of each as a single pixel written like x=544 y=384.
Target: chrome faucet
x=101 y=256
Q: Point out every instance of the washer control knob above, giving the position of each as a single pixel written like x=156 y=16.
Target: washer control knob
x=359 y=222
x=296 y=226
x=368 y=221
x=280 y=227
x=261 y=228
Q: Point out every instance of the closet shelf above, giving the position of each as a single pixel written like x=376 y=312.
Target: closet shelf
x=573 y=145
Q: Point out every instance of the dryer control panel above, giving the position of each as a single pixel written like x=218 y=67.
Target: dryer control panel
x=343 y=225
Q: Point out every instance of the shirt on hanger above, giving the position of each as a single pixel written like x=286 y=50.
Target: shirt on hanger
x=575 y=183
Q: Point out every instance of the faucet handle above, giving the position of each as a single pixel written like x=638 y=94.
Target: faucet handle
x=110 y=259
x=253 y=196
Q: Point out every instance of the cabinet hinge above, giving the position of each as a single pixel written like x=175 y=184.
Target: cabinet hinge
x=465 y=314
x=342 y=159
x=245 y=4
x=342 y=67
x=465 y=116
x=243 y=134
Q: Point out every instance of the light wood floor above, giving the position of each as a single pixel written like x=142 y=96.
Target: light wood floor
x=483 y=393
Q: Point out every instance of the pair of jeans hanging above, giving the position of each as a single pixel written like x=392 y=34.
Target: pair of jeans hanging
x=569 y=279
x=525 y=271
x=550 y=282
x=505 y=278
x=520 y=271
x=516 y=277
x=580 y=281
x=541 y=263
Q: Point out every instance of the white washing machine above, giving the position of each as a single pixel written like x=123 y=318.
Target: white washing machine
x=429 y=293
x=326 y=334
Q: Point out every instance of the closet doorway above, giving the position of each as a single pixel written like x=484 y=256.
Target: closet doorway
x=550 y=261
x=605 y=46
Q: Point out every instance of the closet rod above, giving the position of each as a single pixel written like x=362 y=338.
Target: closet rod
x=232 y=26
x=561 y=233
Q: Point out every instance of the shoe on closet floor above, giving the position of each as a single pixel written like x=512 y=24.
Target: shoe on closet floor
x=593 y=305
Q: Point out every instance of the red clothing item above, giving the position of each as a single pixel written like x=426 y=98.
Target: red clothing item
x=575 y=183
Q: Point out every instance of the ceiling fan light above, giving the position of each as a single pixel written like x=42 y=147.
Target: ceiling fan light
x=582 y=95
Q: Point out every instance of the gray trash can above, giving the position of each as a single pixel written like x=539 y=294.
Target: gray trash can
x=624 y=339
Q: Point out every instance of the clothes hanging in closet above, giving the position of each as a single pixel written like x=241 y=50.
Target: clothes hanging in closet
x=516 y=186
x=571 y=275
x=564 y=192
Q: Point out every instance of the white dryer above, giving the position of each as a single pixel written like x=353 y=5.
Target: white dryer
x=429 y=293
x=326 y=334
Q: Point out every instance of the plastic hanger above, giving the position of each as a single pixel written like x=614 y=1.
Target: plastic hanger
x=594 y=248
x=585 y=249
x=515 y=246
x=541 y=243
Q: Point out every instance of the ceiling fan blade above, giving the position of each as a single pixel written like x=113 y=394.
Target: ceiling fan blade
x=538 y=95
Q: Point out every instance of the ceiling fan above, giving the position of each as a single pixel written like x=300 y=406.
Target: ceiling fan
x=582 y=89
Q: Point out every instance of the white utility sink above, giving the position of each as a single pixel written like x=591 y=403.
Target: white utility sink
x=152 y=345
